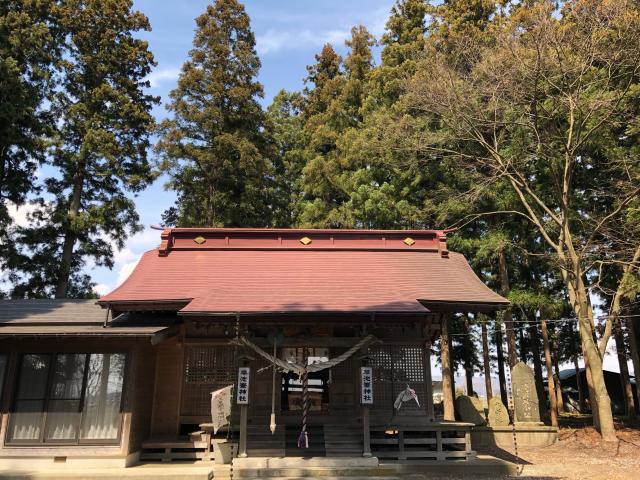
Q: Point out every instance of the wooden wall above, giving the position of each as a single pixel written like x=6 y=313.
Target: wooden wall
x=140 y=396
x=168 y=389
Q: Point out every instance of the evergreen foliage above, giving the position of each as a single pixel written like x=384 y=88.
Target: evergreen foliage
x=216 y=147
x=29 y=46
x=98 y=149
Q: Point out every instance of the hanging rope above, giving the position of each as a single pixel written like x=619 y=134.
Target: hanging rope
x=303 y=439
x=299 y=369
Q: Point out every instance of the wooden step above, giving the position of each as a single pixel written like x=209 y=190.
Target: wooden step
x=262 y=443
x=172 y=449
x=343 y=440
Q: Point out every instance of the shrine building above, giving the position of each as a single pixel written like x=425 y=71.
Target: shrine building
x=330 y=330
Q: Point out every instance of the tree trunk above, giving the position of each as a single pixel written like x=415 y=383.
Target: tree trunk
x=485 y=361
x=507 y=317
x=501 y=374
x=523 y=346
x=468 y=364
x=559 y=398
x=630 y=407
x=553 y=401
x=581 y=399
x=632 y=330
x=70 y=236
x=578 y=295
x=447 y=374
x=591 y=393
x=537 y=370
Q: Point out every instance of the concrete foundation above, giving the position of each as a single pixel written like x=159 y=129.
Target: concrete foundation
x=321 y=468
x=527 y=436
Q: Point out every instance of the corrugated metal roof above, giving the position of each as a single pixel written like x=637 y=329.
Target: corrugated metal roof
x=294 y=280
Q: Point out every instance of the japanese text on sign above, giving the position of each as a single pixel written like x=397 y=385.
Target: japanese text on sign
x=366 y=385
x=243 y=386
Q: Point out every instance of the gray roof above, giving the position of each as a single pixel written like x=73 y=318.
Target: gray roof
x=50 y=311
x=64 y=317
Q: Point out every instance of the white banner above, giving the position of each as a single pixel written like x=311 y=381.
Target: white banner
x=221 y=407
x=366 y=385
x=244 y=373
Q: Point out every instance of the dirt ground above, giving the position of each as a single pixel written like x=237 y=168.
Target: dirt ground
x=579 y=454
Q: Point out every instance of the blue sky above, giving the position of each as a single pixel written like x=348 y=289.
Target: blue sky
x=288 y=35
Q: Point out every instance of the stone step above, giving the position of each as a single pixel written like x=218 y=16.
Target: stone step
x=355 y=473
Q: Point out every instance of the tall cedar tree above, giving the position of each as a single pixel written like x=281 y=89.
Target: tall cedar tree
x=380 y=193
x=333 y=106
x=100 y=150
x=28 y=49
x=286 y=119
x=216 y=148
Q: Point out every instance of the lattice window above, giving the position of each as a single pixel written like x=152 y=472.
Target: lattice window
x=206 y=369
x=395 y=366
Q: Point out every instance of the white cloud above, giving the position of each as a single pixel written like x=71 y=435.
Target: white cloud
x=102 y=289
x=126 y=259
x=279 y=39
x=20 y=214
x=162 y=75
x=126 y=270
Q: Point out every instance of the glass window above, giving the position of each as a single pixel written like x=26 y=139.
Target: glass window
x=101 y=412
x=26 y=419
x=68 y=397
x=63 y=412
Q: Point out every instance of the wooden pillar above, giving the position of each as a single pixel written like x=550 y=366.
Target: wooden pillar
x=401 y=453
x=242 y=448
x=244 y=414
x=366 y=423
x=447 y=374
x=366 y=432
x=428 y=381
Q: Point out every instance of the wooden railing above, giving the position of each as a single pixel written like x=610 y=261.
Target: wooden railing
x=439 y=441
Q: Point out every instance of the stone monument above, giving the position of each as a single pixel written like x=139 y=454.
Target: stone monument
x=469 y=409
x=498 y=413
x=525 y=397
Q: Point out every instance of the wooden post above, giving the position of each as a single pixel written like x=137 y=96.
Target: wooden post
x=242 y=447
x=447 y=374
x=366 y=433
x=428 y=381
x=366 y=423
x=401 y=454
x=244 y=413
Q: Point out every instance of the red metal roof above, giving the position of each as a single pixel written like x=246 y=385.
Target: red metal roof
x=273 y=271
